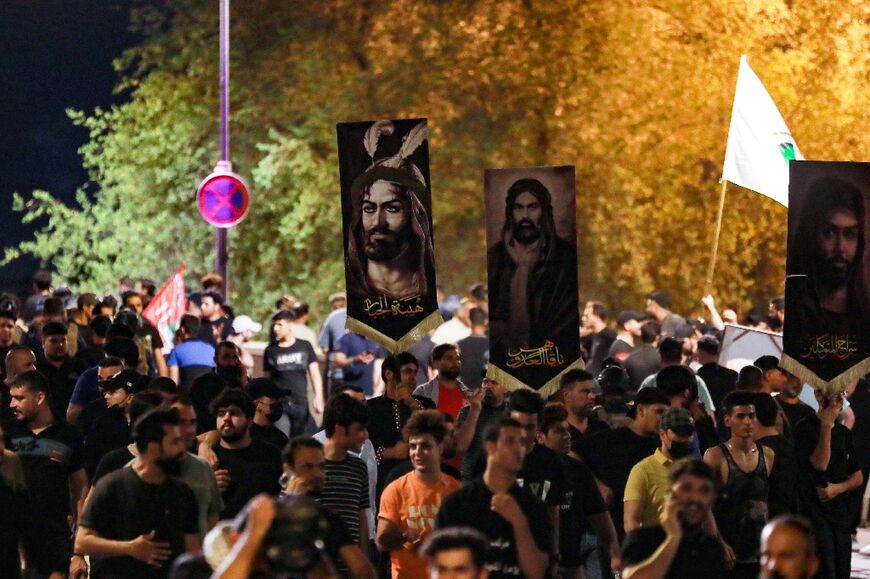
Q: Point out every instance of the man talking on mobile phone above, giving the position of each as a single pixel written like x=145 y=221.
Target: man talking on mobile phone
x=679 y=547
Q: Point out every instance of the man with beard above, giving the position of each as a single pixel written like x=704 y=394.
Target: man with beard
x=577 y=393
x=269 y=409
x=744 y=467
x=677 y=547
x=19 y=359
x=485 y=406
x=59 y=368
x=51 y=454
x=446 y=391
x=532 y=277
x=826 y=293
x=390 y=249
x=246 y=467
x=140 y=518
x=647 y=483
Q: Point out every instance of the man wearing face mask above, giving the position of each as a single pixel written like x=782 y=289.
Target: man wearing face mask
x=648 y=481
x=268 y=409
x=140 y=518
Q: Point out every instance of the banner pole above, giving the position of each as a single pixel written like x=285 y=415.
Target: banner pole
x=708 y=284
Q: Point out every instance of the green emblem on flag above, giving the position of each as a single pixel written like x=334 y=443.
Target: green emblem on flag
x=787 y=150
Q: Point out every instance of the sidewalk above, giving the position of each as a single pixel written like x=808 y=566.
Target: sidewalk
x=861 y=563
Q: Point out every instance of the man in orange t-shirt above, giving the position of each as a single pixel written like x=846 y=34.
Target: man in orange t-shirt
x=409 y=504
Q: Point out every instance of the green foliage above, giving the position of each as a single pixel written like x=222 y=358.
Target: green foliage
x=636 y=95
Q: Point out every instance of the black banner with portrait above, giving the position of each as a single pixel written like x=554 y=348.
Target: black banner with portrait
x=534 y=316
x=389 y=249
x=826 y=334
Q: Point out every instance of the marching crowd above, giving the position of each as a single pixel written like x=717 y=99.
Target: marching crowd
x=119 y=460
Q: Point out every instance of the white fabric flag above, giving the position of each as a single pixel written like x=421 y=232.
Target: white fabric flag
x=760 y=145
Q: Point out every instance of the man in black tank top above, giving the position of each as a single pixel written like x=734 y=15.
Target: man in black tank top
x=741 y=511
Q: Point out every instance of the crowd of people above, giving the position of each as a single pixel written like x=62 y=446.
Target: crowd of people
x=124 y=456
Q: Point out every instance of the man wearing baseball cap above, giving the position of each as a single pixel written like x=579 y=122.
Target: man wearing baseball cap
x=627 y=331
x=268 y=409
x=648 y=480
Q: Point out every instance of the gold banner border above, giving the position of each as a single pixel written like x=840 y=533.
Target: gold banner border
x=416 y=334
x=506 y=379
x=828 y=387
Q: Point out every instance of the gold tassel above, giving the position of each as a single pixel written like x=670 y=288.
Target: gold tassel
x=828 y=388
x=507 y=380
x=416 y=334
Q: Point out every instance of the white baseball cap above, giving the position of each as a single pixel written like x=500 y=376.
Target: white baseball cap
x=245 y=323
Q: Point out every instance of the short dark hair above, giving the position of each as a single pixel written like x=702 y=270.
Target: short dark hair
x=390 y=363
x=54 y=329
x=800 y=524
x=599 y=309
x=190 y=324
x=426 y=422
x=737 y=398
x=141 y=403
x=708 y=345
x=125 y=349
x=343 y=410
x=8 y=314
x=525 y=401
x=671 y=350
x=165 y=385
x=32 y=381
x=100 y=325
x=649 y=331
x=53 y=306
x=339 y=388
x=674 y=380
x=660 y=297
x=573 y=376
x=455 y=538
x=778 y=303
x=694 y=467
x=493 y=428
x=228 y=344
x=767 y=363
x=288 y=455
x=180 y=399
x=749 y=378
x=125 y=297
x=42 y=279
x=150 y=426
x=287 y=315
x=553 y=414
x=110 y=361
x=650 y=396
x=477 y=316
x=119 y=330
x=442 y=349
x=215 y=296
x=232 y=397
x=301 y=309
x=766 y=408
x=407 y=358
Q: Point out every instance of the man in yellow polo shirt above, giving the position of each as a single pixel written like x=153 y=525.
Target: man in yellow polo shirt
x=648 y=480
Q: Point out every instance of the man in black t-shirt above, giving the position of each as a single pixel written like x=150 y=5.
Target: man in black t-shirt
x=596 y=336
x=474 y=350
x=582 y=503
x=829 y=476
x=139 y=519
x=246 y=467
x=268 y=409
x=509 y=516
x=59 y=368
x=577 y=393
x=51 y=454
x=291 y=363
x=679 y=548
x=484 y=406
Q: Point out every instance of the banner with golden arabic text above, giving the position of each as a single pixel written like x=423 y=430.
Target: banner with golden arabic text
x=389 y=249
x=534 y=318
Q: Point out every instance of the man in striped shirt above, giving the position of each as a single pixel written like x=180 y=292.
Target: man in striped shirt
x=346 y=491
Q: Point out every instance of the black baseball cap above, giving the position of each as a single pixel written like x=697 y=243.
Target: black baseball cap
x=259 y=387
x=130 y=380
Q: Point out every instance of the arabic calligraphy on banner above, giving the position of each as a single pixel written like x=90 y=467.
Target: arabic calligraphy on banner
x=547 y=355
x=393 y=307
x=831 y=346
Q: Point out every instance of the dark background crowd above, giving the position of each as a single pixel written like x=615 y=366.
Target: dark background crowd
x=127 y=456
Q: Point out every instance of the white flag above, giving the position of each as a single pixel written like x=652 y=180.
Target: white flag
x=760 y=145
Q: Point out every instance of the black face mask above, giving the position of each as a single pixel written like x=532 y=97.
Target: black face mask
x=170 y=466
x=276 y=411
x=232 y=374
x=680 y=450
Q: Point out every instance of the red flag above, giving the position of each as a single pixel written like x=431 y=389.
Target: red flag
x=165 y=310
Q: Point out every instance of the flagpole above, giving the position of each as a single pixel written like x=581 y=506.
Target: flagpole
x=708 y=284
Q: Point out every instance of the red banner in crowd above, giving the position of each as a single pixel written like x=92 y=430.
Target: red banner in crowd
x=165 y=310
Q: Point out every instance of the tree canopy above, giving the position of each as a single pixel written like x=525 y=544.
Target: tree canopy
x=636 y=95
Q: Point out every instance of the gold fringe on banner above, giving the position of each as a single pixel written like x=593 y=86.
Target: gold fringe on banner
x=507 y=380
x=416 y=334
x=827 y=387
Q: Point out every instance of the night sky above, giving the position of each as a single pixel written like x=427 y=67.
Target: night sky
x=56 y=54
